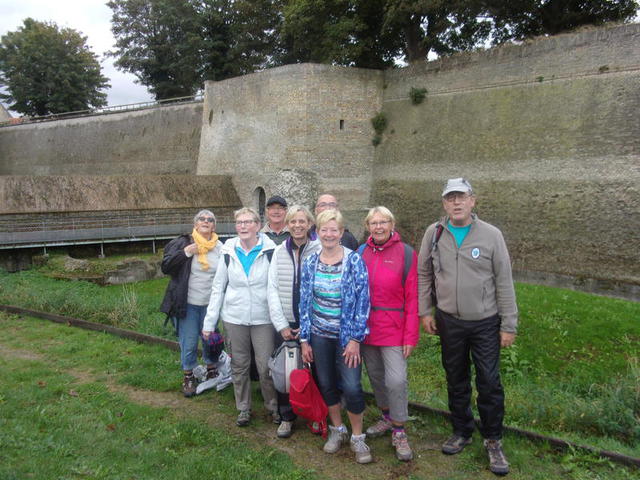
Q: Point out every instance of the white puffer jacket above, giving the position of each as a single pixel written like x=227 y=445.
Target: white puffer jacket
x=281 y=278
x=236 y=298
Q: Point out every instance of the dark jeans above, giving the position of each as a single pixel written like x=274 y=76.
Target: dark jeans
x=477 y=340
x=333 y=375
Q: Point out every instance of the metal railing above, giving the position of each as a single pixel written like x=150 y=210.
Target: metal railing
x=103 y=110
x=71 y=230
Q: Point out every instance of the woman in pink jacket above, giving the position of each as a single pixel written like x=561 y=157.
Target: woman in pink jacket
x=393 y=324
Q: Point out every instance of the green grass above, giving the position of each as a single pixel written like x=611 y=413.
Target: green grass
x=573 y=372
x=54 y=263
x=56 y=428
x=61 y=418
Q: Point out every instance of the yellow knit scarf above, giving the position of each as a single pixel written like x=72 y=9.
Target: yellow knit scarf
x=204 y=246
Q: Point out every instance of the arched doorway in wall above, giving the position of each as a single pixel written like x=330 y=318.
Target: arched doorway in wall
x=259 y=200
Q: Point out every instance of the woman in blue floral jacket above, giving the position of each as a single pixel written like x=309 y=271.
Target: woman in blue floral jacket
x=334 y=308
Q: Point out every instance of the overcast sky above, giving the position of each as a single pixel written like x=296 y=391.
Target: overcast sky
x=92 y=18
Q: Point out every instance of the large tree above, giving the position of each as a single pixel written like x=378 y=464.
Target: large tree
x=160 y=42
x=518 y=19
x=173 y=46
x=369 y=33
x=343 y=32
x=46 y=70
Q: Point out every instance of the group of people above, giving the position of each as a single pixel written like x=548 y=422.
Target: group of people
x=306 y=279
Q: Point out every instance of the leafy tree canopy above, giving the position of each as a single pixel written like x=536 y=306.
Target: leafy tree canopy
x=46 y=70
x=172 y=46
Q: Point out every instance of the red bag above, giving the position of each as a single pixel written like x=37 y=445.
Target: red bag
x=306 y=400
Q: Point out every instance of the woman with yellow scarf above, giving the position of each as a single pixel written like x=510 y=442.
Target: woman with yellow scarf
x=191 y=261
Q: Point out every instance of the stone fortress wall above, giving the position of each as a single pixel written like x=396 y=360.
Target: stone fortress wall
x=547 y=131
x=297 y=131
x=145 y=142
x=549 y=134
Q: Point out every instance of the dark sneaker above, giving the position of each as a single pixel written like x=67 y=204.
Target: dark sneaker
x=455 y=444
x=381 y=427
x=189 y=385
x=497 y=461
x=244 y=417
x=401 y=443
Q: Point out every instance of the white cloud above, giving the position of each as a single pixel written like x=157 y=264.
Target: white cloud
x=92 y=18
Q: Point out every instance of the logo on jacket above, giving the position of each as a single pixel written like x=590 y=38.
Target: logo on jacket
x=475 y=253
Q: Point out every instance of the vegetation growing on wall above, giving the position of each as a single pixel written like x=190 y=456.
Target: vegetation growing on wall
x=417 y=95
x=379 y=123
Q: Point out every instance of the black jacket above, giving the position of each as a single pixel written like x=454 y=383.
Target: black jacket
x=176 y=263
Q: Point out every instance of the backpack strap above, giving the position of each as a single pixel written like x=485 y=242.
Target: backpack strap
x=361 y=248
x=408 y=260
x=434 y=244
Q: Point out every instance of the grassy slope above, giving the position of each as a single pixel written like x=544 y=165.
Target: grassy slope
x=77 y=404
x=573 y=372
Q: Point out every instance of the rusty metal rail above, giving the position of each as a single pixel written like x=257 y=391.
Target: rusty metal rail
x=418 y=407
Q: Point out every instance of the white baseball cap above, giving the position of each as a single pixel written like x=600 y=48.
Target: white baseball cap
x=457 y=185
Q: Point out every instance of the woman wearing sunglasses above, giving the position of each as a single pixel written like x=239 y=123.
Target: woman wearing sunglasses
x=191 y=260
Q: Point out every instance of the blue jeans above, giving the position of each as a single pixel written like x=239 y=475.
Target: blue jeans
x=189 y=329
x=333 y=375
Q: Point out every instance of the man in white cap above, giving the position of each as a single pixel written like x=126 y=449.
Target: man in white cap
x=475 y=315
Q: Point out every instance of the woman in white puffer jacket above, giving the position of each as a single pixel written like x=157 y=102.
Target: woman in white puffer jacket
x=284 y=291
x=239 y=298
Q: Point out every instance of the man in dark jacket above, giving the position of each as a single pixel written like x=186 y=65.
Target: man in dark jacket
x=275 y=226
x=326 y=202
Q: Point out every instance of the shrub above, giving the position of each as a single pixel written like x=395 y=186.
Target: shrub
x=417 y=95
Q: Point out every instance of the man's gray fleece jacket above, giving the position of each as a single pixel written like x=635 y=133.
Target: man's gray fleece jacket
x=474 y=281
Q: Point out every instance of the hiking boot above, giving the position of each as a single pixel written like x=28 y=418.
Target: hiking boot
x=379 y=428
x=285 y=429
x=361 y=449
x=337 y=435
x=189 y=385
x=401 y=443
x=244 y=417
x=497 y=461
x=455 y=444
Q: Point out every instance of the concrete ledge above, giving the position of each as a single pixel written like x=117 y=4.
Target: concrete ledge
x=608 y=288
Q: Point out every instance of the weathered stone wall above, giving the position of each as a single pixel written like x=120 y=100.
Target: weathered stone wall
x=295 y=131
x=548 y=134
x=158 y=141
x=84 y=193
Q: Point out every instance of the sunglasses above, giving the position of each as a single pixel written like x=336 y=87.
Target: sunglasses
x=206 y=219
